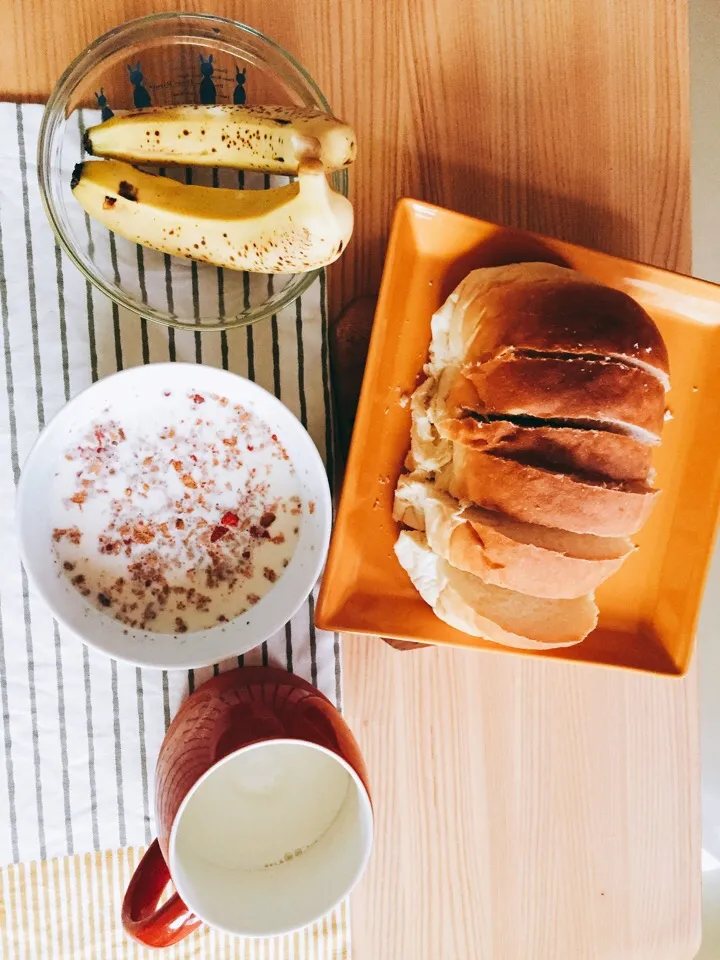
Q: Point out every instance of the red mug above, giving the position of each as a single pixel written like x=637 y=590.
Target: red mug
x=263 y=812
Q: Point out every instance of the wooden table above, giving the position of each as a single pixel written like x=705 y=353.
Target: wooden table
x=525 y=810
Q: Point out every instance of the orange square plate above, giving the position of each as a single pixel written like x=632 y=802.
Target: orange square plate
x=649 y=608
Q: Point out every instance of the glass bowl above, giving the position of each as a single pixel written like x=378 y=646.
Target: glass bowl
x=157 y=60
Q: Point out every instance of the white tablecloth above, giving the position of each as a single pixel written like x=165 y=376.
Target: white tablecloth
x=80 y=732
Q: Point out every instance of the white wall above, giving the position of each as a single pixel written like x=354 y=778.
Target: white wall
x=705 y=186
x=705 y=120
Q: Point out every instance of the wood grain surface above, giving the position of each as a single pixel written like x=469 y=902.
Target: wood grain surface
x=526 y=810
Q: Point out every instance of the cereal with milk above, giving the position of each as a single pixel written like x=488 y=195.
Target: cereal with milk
x=179 y=520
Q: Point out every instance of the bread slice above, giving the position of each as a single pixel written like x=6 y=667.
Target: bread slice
x=550 y=498
x=440 y=414
x=519 y=556
x=497 y=311
x=484 y=610
x=611 y=394
x=454 y=325
x=428 y=451
x=590 y=451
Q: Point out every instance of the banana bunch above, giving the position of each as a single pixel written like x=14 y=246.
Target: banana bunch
x=290 y=229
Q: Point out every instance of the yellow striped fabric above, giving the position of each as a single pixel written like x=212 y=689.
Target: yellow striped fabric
x=69 y=909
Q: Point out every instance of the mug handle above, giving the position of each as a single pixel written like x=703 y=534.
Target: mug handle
x=142 y=918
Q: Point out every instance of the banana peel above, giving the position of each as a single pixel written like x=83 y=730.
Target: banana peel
x=272 y=139
x=290 y=229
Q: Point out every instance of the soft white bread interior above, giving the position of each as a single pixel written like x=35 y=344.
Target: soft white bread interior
x=525 y=557
x=483 y=610
x=428 y=451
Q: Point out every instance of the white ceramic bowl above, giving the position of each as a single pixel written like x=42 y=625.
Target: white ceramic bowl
x=114 y=397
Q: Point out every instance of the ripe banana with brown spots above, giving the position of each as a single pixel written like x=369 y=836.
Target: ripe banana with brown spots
x=290 y=229
x=273 y=139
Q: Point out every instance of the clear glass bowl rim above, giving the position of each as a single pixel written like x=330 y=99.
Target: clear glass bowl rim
x=54 y=113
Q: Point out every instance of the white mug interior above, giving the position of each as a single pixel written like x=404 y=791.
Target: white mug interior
x=271 y=838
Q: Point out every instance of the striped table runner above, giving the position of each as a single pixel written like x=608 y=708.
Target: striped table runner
x=81 y=732
x=69 y=908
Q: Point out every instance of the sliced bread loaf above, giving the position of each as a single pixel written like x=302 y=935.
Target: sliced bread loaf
x=483 y=610
x=525 y=557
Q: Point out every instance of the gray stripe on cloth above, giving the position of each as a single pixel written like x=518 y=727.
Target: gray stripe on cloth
x=15 y=465
x=246 y=304
x=117 y=336
x=63 y=739
x=250 y=343
x=90 y=305
x=288 y=646
x=166 y=698
x=338 y=670
x=29 y=646
x=198 y=349
x=172 y=357
x=329 y=446
x=114 y=306
x=327 y=393
x=7 y=743
x=122 y=826
x=62 y=720
x=300 y=361
x=313 y=640
x=221 y=290
x=249 y=332
x=91 y=748
x=63 y=322
x=195 y=288
x=278 y=393
x=89 y=727
x=139 y=691
x=143 y=753
x=141 y=272
x=169 y=293
x=144 y=340
x=122 y=829
x=224 y=357
x=32 y=300
x=274 y=330
x=143 y=296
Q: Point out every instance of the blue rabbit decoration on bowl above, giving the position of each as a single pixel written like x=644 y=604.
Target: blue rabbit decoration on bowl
x=207 y=87
x=239 y=95
x=105 y=111
x=141 y=98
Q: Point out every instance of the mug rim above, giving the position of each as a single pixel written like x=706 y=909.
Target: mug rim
x=367 y=811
